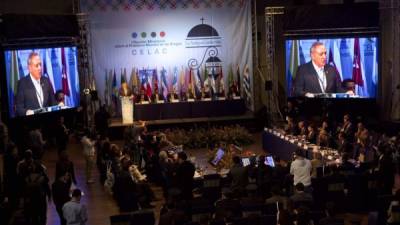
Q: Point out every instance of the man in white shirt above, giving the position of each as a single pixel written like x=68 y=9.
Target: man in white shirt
x=301 y=169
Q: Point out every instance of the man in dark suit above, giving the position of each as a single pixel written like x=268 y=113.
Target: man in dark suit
x=316 y=76
x=34 y=91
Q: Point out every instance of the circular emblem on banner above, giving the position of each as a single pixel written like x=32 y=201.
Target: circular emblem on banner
x=162 y=34
x=153 y=34
x=134 y=35
x=143 y=34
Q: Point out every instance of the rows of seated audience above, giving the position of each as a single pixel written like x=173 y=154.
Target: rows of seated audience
x=303 y=191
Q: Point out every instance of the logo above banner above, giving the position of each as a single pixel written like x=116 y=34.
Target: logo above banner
x=127 y=5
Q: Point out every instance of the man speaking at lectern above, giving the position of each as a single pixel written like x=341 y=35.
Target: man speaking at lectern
x=316 y=76
x=34 y=91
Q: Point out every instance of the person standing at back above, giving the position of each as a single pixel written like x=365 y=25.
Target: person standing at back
x=301 y=170
x=74 y=212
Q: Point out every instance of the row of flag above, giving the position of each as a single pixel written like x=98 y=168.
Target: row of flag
x=359 y=63
x=178 y=81
x=59 y=65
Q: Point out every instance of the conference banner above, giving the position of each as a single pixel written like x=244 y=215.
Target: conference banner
x=196 y=39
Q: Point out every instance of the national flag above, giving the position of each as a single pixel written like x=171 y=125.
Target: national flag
x=231 y=82
x=174 y=83
x=164 y=83
x=14 y=72
x=65 y=85
x=13 y=82
x=221 y=83
x=357 y=70
x=73 y=78
x=55 y=66
x=110 y=87
x=123 y=76
x=48 y=70
x=238 y=80
x=302 y=58
x=293 y=64
x=148 y=85
x=345 y=59
x=205 y=74
x=333 y=52
x=114 y=94
x=145 y=83
x=182 y=81
x=209 y=83
x=114 y=85
x=106 y=89
x=246 y=85
x=139 y=82
x=155 y=81
x=21 y=68
x=191 y=86
x=368 y=57
x=199 y=83
x=133 y=81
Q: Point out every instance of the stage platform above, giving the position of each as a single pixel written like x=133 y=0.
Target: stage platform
x=117 y=122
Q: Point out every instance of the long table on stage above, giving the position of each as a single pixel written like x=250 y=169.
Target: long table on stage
x=280 y=147
x=195 y=109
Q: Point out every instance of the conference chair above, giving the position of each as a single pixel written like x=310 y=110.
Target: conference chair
x=252 y=206
x=122 y=219
x=211 y=189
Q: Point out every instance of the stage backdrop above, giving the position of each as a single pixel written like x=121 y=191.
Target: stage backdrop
x=175 y=44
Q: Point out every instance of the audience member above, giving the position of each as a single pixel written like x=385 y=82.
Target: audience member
x=316 y=163
x=36 y=143
x=302 y=128
x=264 y=176
x=125 y=189
x=101 y=118
x=311 y=134
x=64 y=165
x=347 y=128
x=290 y=128
x=385 y=170
x=394 y=217
x=184 y=176
x=239 y=176
x=301 y=169
x=89 y=152
x=228 y=206
x=12 y=185
x=36 y=191
x=61 y=135
x=61 y=190
x=301 y=198
x=73 y=211
x=277 y=197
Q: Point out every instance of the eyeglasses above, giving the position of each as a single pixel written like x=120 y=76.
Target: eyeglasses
x=320 y=53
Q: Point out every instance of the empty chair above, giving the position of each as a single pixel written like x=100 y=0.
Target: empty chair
x=211 y=187
x=122 y=219
x=143 y=217
x=252 y=206
x=201 y=209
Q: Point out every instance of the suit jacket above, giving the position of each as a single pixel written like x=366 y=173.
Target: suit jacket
x=26 y=95
x=307 y=80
